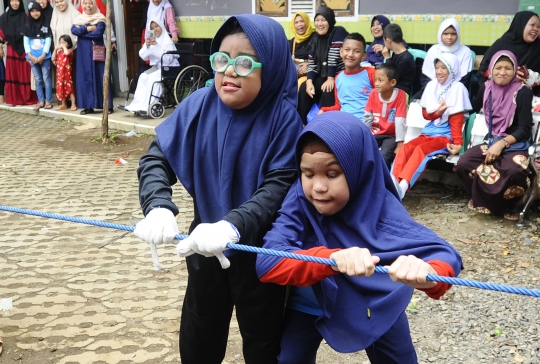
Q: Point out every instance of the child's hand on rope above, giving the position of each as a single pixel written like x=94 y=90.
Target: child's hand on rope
x=411 y=271
x=355 y=262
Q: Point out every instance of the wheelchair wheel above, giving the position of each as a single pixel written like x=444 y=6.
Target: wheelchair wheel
x=156 y=110
x=189 y=80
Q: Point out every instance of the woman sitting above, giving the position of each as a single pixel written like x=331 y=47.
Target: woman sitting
x=374 y=51
x=148 y=85
x=495 y=174
x=445 y=102
x=449 y=38
x=303 y=33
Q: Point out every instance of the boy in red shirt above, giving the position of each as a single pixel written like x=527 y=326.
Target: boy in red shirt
x=386 y=110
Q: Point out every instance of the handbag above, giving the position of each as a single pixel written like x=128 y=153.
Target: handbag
x=492 y=139
x=98 y=52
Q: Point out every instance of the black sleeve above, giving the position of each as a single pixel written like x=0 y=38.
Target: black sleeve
x=478 y=100
x=155 y=180
x=522 y=125
x=254 y=217
x=466 y=80
x=407 y=71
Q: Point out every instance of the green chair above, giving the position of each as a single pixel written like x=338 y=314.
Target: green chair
x=419 y=56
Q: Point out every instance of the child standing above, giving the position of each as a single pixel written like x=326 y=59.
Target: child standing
x=344 y=207
x=229 y=145
x=393 y=40
x=445 y=102
x=386 y=111
x=37 y=45
x=62 y=58
x=353 y=85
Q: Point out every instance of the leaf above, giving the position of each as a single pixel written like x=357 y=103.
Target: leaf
x=523 y=264
x=506 y=250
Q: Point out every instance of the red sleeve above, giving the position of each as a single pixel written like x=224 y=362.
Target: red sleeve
x=300 y=273
x=402 y=104
x=429 y=116
x=443 y=269
x=456 y=127
x=337 y=105
x=371 y=75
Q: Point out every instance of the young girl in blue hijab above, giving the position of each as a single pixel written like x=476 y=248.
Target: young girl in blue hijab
x=344 y=206
x=230 y=147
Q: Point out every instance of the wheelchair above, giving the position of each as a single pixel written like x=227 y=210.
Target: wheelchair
x=178 y=82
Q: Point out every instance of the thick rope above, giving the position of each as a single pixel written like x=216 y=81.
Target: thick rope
x=306 y=258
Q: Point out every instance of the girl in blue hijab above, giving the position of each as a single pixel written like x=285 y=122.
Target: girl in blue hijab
x=344 y=206
x=230 y=146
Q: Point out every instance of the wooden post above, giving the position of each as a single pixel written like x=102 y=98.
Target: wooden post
x=106 y=77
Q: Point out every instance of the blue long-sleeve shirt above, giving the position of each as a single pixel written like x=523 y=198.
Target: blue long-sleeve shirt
x=37 y=46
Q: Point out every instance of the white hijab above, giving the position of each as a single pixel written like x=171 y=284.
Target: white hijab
x=62 y=21
x=451 y=91
x=157 y=12
x=153 y=53
x=462 y=52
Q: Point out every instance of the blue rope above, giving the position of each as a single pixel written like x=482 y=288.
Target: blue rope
x=277 y=253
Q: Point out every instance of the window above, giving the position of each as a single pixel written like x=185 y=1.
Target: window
x=340 y=7
x=272 y=7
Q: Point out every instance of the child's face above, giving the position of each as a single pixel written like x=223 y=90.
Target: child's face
x=156 y=2
x=503 y=73
x=156 y=28
x=321 y=25
x=324 y=182
x=35 y=14
x=376 y=29
x=299 y=25
x=237 y=92
x=15 y=4
x=449 y=36
x=382 y=83
x=441 y=72
x=352 y=53
x=63 y=43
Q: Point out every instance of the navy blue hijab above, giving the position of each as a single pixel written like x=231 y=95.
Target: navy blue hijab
x=372 y=56
x=373 y=218
x=221 y=155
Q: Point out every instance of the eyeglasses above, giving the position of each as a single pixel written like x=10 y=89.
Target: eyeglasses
x=243 y=65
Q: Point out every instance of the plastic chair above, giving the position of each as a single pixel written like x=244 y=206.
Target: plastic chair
x=419 y=56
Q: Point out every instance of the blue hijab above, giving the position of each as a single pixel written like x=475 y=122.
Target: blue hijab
x=372 y=56
x=221 y=155
x=373 y=218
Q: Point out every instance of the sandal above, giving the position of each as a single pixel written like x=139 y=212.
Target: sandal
x=61 y=107
x=479 y=209
x=48 y=105
x=87 y=111
x=73 y=108
x=38 y=106
x=513 y=214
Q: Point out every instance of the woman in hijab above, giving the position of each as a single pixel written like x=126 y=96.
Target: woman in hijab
x=152 y=51
x=63 y=16
x=374 y=51
x=162 y=11
x=324 y=63
x=89 y=28
x=495 y=174
x=303 y=31
x=446 y=103
x=17 y=80
x=449 y=38
x=47 y=11
x=522 y=40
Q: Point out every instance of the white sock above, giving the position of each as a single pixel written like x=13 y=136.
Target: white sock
x=404 y=185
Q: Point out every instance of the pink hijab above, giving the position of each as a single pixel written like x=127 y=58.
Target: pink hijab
x=503 y=97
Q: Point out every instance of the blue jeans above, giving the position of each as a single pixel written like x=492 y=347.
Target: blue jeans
x=42 y=74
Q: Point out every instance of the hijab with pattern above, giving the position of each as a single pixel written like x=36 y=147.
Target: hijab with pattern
x=12 y=23
x=451 y=91
x=36 y=28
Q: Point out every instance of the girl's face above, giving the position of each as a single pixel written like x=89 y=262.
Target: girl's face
x=60 y=5
x=43 y=3
x=299 y=25
x=449 y=36
x=35 y=14
x=530 y=33
x=324 y=182
x=441 y=72
x=156 y=28
x=238 y=92
x=88 y=7
x=15 y=4
x=376 y=29
x=63 y=43
x=503 y=72
x=156 y=2
x=321 y=25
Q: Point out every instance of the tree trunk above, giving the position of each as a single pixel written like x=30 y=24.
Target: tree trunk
x=106 y=77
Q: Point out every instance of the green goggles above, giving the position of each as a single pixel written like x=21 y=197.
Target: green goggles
x=243 y=65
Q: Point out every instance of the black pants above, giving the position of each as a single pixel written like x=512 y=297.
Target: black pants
x=323 y=98
x=388 y=144
x=208 y=305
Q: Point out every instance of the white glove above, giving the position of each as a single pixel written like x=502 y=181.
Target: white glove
x=158 y=227
x=210 y=240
